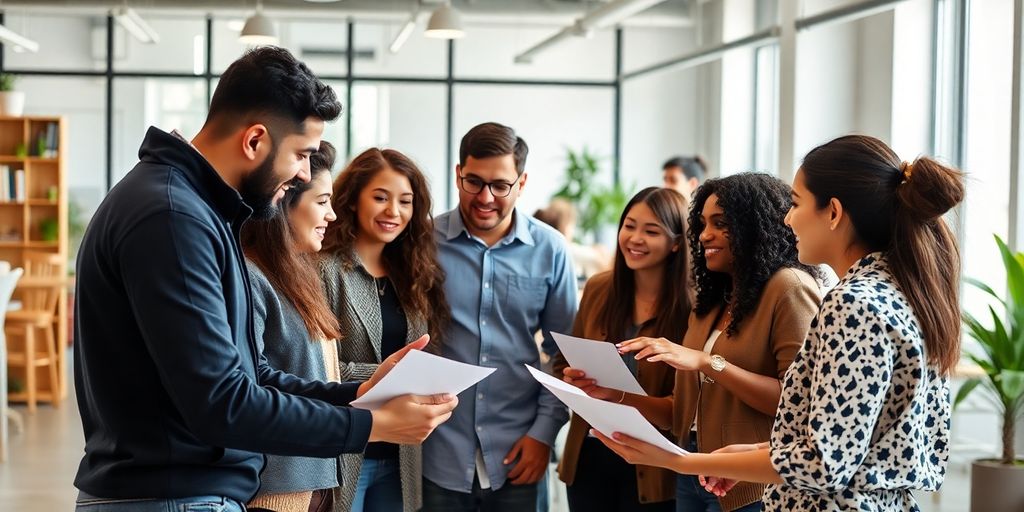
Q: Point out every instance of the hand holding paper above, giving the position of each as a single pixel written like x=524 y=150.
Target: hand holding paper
x=606 y=417
x=600 y=361
x=420 y=373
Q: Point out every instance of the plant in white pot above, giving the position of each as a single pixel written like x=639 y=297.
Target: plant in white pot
x=998 y=484
x=12 y=103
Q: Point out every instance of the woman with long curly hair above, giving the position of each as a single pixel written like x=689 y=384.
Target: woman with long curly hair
x=865 y=409
x=383 y=281
x=754 y=305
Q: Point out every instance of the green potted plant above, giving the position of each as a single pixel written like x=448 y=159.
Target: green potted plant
x=598 y=205
x=998 y=484
x=12 y=103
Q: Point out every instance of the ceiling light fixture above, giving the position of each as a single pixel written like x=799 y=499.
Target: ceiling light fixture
x=258 y=29
x=19 y=41
x=135 y=25
x=445 y=23
x=604 y=16
x=405 y=32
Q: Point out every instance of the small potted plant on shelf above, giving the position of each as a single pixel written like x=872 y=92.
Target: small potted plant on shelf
x=998 y=484
x=12 y=103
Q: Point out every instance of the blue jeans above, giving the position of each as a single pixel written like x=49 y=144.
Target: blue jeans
x=379 y=487
x=87 y=503
x=510 y=498
x=691 y=496
x=542 y=492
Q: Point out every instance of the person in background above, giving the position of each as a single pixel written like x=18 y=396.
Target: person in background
x=386 y=288
x=588 y=260
x=754 y=305
x=509 y=276
x=865 y=410
x=178 y=405
x=647 y=293
x=294 y=328
x=684 y=174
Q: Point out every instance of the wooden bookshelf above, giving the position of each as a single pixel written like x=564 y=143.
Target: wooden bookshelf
x=37 y=221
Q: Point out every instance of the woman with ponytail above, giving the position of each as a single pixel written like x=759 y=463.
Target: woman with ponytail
x=864 y=414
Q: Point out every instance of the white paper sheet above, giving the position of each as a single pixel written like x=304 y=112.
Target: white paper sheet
x=600 y=361
x=420 y=373
x=606 y=417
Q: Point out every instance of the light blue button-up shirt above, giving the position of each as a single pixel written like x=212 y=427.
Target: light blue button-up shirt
x=500 y=297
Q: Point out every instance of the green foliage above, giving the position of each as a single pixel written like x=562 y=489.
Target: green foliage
x=7 y=81
x=598 y=205
x=1002 y=345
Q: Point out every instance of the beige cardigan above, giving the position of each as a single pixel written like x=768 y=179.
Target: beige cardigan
x=766 y=343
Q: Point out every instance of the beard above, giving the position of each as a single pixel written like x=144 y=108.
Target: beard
x=260 y=187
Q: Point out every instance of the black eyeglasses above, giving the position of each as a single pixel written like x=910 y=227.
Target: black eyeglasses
x=473 y=185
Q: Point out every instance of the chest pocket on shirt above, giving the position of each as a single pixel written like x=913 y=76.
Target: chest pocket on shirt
x=530 y=293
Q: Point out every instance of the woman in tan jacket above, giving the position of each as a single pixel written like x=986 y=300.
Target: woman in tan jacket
x=647 y=292
x=754 y=306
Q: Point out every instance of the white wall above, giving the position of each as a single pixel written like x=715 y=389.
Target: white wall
x=662 y=114
x=825 y=86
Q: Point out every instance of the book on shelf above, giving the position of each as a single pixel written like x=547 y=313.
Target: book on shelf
x=12 y=184
x=19 y=185
x=51 y=140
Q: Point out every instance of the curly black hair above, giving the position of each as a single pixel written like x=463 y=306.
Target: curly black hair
x=754 y=206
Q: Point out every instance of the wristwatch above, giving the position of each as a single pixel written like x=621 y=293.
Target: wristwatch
x=717 y=363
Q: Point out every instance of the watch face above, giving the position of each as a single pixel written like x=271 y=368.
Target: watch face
x=717 y=363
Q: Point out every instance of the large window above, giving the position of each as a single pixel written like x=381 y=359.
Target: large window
x=986 y=132
x=69 y=43
x=571 y=118
x=409 y=118
x=489 y=51
x=181 y=48
x=418 y=57
x=166 y=103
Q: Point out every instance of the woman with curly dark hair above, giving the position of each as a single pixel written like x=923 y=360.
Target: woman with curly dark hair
x=753 y=308
x=386 y=288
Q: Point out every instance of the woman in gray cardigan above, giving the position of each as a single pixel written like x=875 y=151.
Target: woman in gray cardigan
x=294 y=327
x=383 y=282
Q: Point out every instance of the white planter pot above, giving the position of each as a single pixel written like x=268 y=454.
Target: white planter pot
x=12 y=103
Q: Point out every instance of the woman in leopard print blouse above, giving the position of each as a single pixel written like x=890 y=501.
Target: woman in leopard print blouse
x=864 y=414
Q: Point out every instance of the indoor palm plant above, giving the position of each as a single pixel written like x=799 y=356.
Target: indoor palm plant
x=999 y=484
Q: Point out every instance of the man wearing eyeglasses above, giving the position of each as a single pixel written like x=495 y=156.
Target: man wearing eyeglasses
x=508 y=276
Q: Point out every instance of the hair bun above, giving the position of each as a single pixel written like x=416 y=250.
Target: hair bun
x=929 y=189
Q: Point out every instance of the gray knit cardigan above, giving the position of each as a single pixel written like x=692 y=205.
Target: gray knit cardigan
x=352 y=295
x=283 y=338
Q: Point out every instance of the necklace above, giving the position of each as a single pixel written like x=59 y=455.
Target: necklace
x=381 y=284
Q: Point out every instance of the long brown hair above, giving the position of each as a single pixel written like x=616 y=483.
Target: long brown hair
x=676 y=296
x=411 y=259
x=897 y=207
x=270 y=246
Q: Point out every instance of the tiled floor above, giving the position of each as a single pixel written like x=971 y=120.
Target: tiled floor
x=39 y=475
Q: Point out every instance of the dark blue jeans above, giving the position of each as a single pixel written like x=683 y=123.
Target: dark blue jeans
x=510 y=498
x=86 y=503
x=691 y=496
x=379 y=488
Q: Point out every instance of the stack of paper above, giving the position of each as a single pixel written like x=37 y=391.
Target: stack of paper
x=420 y=373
